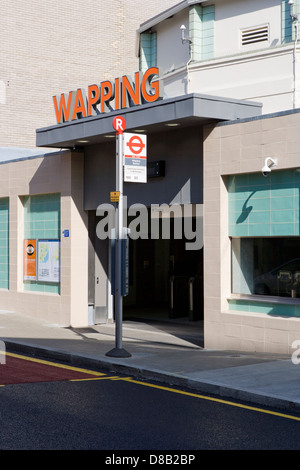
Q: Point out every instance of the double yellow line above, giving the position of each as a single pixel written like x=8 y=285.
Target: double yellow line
x=102 y=376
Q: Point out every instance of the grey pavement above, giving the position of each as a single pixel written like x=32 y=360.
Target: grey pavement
x=170 y=353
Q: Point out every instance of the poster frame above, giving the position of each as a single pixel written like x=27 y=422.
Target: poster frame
x=50 y=279
x=28 y=261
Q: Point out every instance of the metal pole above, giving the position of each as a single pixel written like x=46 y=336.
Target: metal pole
x=119 y=226
x=118 y=351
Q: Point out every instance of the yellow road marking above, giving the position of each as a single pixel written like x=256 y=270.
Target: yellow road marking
x=217 y=400
x=48 y=363
x=94 y=378
x=121 y=378
x=102 y=376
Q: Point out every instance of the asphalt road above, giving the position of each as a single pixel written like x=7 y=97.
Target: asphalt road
x=63 y=408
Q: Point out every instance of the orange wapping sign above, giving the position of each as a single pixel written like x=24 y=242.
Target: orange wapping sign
x=146 y=88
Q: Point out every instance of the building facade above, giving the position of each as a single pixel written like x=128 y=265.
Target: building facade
x=38 y=194
x=217 y=98
x=251 y=235
x=47 y=49
x=54 y=47
x=232 y=49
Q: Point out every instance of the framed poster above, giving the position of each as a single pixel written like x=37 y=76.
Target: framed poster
x=48 y=260
x=29 y=260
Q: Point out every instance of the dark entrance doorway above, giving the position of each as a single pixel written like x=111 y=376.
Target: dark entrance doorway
x=165 y=281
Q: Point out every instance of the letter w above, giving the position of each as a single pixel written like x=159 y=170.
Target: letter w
x=62 y=111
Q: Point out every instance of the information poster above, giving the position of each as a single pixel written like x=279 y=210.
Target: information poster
x=49 y=260
x=29 y=260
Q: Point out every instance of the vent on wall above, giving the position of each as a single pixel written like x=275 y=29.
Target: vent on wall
x=255 y=35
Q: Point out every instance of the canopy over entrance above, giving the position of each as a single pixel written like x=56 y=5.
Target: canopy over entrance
x=188 y=110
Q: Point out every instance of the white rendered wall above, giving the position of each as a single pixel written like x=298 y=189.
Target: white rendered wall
x=233 y=16
x=262 y=72
x=171 y=53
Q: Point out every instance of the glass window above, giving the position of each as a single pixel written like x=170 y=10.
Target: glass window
x=148 y=51
x=266 y=266
x=42 y=221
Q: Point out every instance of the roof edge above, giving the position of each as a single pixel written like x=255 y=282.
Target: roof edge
x=166 y=14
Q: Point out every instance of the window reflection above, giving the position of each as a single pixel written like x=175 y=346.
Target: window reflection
x=266 y=266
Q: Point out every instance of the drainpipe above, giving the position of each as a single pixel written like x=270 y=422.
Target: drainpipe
x=294 y=62
x=294 y=19
x=187 y=75
x=187 y=39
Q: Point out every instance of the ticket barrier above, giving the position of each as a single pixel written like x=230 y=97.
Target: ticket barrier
x=196 y=298
x=179 y=296
x=186 y=297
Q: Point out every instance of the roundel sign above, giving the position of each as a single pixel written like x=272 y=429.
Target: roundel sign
x=135 y=145
x=135 y=158
x=119 y=124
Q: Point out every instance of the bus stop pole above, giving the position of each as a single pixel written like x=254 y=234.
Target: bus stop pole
x=118 y=351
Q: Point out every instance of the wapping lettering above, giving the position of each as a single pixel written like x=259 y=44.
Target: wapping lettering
x=124 y=92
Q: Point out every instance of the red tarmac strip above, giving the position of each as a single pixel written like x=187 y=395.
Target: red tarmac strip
x=18 y=370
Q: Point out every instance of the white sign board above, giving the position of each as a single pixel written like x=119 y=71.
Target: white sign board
x=135 y=158
x=49 y=260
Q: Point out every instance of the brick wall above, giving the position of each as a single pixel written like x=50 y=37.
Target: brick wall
x=61 y=45
x=241 y=149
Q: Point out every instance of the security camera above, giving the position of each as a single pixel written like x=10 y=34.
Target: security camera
x=291 y=2
x=267 y=168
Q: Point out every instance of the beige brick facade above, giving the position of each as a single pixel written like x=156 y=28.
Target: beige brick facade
x=234 y=149
x=57 y=46
x=59 y=173
x=48 y=48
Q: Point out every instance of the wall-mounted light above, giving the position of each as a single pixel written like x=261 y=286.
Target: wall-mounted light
x=293 y=16
x=183 y=36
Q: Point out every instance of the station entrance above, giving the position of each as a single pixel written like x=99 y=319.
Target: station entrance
x=165 y=280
